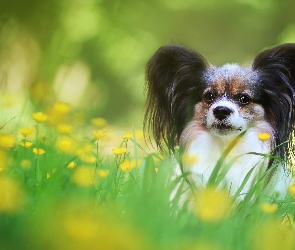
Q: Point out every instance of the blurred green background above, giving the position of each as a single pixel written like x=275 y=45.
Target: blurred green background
x=92 y=53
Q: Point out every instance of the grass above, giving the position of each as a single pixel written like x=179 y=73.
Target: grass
x=66 y=188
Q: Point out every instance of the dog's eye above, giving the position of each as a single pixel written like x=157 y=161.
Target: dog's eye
x=244 y=99
x=209 y=97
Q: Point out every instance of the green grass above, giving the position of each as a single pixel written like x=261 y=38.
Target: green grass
x=99 y=204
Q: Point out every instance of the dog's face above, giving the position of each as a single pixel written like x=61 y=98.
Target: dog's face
x=230 y=102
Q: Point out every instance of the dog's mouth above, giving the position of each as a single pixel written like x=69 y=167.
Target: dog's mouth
x=225 y=128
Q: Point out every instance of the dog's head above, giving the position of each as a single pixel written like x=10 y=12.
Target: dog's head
x=184 y=87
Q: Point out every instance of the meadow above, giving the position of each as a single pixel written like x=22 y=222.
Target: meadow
x=71 y=183
x=75 y=170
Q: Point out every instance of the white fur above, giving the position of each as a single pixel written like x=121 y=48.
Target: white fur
x=208 y=149
x=227 y=71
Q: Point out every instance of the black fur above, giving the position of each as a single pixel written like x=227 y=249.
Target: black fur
x=173 y=82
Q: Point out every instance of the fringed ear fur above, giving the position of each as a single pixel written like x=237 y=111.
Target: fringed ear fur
x=174 y=80
x=276 y=73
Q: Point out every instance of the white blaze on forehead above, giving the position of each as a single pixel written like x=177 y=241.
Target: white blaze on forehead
x=227 y=72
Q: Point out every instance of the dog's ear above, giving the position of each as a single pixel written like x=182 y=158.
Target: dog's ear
x=275 y=68
x=173 y=78
x=280 y=58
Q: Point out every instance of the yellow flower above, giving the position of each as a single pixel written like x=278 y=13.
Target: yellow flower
x=64 y=129
x=40 y=117
x=268 y=207
x=156 y=170
x=99 y=122
x=6 y=141
x=85 y=149
x=11 y=195
x=119 y=151
x=127 y=136
x=61 y=108
x=25 y=144
x=98 y=134
x=83 y=176
x=264 y=136
x=103 y=173
x=212 y=205
x=88 y=159
x=292 y=189
x=127 y=166
x=189 y=160
x=72 y=164
x=38 y=151
x=82 y=228
x=272 y=235
x=85 y=153
x=67 y=146
x=26 y=131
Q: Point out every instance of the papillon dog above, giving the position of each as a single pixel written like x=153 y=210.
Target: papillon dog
x=242 y=117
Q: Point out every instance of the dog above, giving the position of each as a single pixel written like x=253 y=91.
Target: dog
x=239 y=117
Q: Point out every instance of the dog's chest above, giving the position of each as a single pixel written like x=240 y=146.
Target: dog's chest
x=208 y=149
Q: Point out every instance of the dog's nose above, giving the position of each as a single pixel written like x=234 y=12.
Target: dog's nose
x=222 y=112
